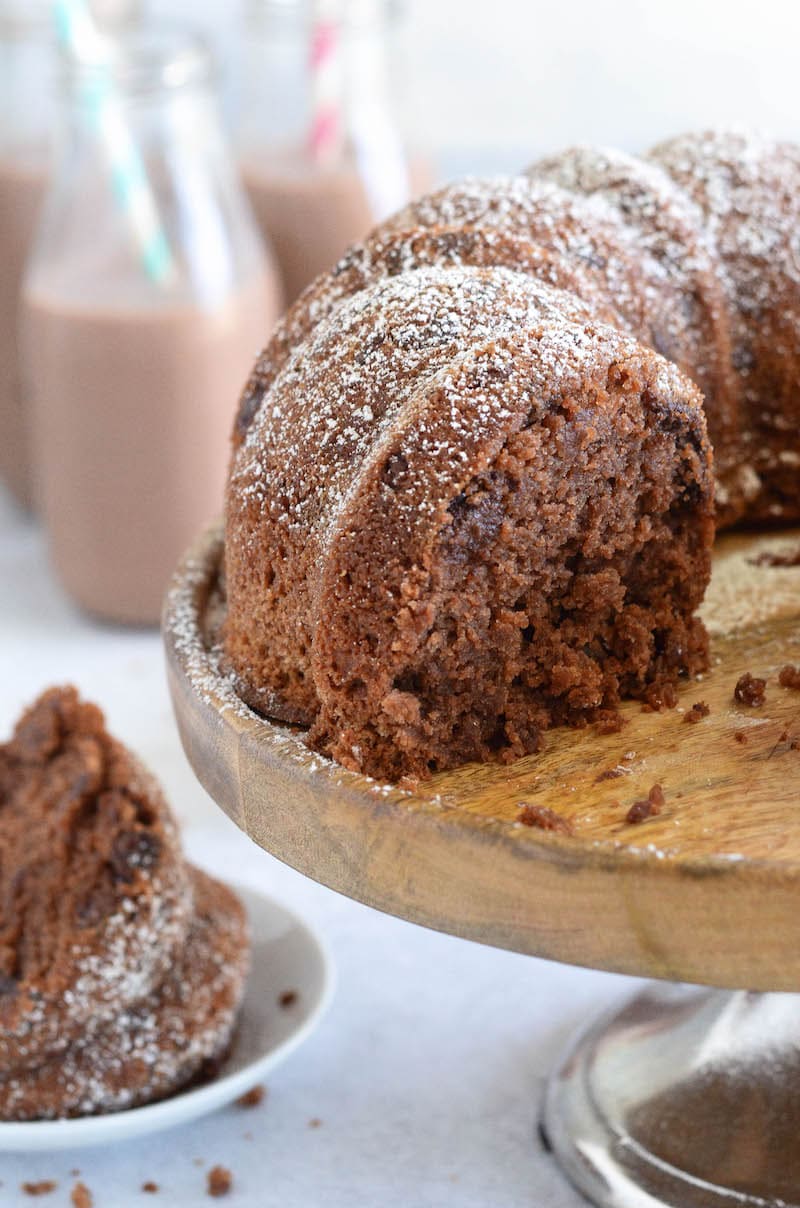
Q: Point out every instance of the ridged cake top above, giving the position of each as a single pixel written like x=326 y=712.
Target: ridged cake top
x=344 y=387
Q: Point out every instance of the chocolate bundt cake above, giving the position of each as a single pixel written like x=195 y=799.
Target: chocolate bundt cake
x=122 y=968
x=472 y=490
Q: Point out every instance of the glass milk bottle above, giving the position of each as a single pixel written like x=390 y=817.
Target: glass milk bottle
x=319 y=139
x=146 y=300
x=27 y=115
x=27 y=106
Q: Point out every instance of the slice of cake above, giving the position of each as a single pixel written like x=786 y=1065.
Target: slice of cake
x=121 y=967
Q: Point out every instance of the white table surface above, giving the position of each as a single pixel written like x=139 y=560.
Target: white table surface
x=428 y=1071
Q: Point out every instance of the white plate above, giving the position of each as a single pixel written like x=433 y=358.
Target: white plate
x=287 y=955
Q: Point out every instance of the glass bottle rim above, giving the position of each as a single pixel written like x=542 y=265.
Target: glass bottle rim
x=144 y=60
x=20 y=22
x=353 y=14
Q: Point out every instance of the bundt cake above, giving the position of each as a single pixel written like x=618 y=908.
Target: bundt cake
x=472 y=488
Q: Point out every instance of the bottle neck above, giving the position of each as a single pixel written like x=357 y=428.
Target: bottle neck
x=274 y=16
x=316 y=76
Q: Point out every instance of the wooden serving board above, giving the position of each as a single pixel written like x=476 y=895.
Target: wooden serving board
x=707 y=891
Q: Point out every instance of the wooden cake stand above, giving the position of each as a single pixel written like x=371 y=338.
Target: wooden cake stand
x=687 y=1097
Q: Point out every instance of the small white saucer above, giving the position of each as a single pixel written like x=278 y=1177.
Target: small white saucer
x=287 y=957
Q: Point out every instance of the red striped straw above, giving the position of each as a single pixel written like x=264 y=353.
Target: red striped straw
x=326 y=131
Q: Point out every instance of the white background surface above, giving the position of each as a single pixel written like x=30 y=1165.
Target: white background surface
x=514 y=78
x=427 y=1072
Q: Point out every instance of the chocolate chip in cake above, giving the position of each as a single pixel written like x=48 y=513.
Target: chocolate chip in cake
x=134 y=850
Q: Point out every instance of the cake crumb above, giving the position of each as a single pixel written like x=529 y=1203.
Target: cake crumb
x=81 y=1196
x=219 y=1181
x=543 y=818
x=789 y=676
x=252 y=1098
x=697 y=712
x=315 y=1122
x=288 y=999
x=648 y=807
x=150 y=1188
x=609 y=774
x=750 y=690
x=609 y=721
x=43 y=1187
x=658 y=697
x=789 y=558
x=741 y=737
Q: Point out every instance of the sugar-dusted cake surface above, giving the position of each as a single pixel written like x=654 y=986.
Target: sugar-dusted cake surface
x=121 y=968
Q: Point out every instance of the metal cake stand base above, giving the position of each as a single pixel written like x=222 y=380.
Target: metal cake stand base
x=688 y=1098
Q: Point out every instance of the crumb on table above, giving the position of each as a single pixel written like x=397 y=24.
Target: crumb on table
x=81 y=1196
x=288 y=999
x=543 y=818
x=697 y=712
x=741 y=737
x=252 y=1098
x=788 y=558
x=610 y=774
x=750 y=690
x=150 y=1188
x=219 y=1181
x=43 y=1187
x=789 y=676
x=648 y=807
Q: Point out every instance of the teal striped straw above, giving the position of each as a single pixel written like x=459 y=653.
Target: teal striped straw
x=79 y=36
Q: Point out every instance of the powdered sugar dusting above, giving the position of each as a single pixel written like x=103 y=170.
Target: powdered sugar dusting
x=748 y=187
x=150 y=1045
x=98 y=1004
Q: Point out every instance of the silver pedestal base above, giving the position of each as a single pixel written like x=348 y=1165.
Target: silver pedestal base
x=686 y=1098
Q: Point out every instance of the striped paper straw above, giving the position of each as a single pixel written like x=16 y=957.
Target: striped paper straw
x=377 y=145
x=80 y=37
x=326 y=132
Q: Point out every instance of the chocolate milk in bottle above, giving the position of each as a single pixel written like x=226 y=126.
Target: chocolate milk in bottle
x=138 y=342
x=319 y=139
